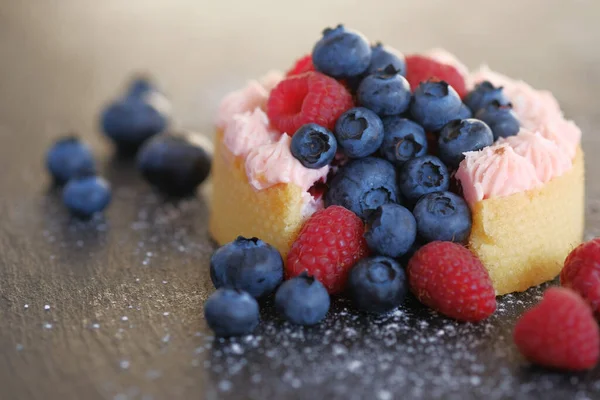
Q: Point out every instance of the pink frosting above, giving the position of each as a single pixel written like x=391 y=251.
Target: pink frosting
x=248 y=131
x=271 y=79
x=495 y=171
x=547 y=158
x=564 y=133
x=274 y=163
x=246 y=99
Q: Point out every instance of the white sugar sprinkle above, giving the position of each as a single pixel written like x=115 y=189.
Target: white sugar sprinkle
x=48 y=325
x=95 y=326
x=124 y=318
x=26 y=306
x=124 y=364
x=47 y=307
x=166 y=313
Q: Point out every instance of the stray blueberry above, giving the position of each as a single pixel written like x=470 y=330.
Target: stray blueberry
x=86 y=196
x=302 y=300
x=359 y=132
x=385 y=92
x=341 y=53
x=247 y=264
x=140 y=86
x=377 y=284
x=231 y=312
x=421 y=176
x=314 y=146
x=443 y=216
x=382 y=56
x=403 y=140
x=435 y=103
x=501 y=119
x=483 y=94
x=460 y=136
x=391 y=230
x=69 y=158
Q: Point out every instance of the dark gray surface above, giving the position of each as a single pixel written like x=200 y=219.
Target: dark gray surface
x=125 y=292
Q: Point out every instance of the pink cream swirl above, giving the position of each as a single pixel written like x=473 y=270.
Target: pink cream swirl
x=248 y=131
x=253 y=95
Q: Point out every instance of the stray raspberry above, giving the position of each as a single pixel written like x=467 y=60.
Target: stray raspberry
x=303 y=65
x=581 y=272
x=421 y=68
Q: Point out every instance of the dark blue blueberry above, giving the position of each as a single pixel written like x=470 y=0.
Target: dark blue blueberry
x=501 y=119
x=460 y=136
x=173 y=164
x=377 y=284
x=130 y=121
x=435 y=103
x=140 y=86
x=341 y=53
x=483 y=94
x=302 y=300
x=403 y=140
x=385 y=92
x=404 y=260
x=359 y=132
x=231 y=312
x=314 y=146
x=247 y=264
x=391 y=230
x=382 y=56
x=69 y=158
x=86 y=196
x=421 y=176
x=363 y=185
x=443 y=216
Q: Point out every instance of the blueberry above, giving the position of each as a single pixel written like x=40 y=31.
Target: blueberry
x=435 y=103
x=247 y=264
x=382 y=56
x=460 y=136
x=403 y=140
x=314 y=146
x=86 y=196
x=501 y=119
x=483 y=94
x=359 y=132
x=341 y=53
x=362 y=185
x=231 y=312
x=391 y=230
x=377 y=284
x=139 y=87
x=173 y=164
x=386 y=92
x=68 y=158
x=130 y=121
x=443 y=216
x=302 y=300
x=421 y=176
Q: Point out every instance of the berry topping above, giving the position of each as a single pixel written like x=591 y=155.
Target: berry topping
x=140 y=86
x=421 y=176
x=391 y=230
x=560 y=332
x=68 y=158
x=460 y=136
x=483 y=94
x=341 y=53
x=307 y=98
x=421 y=68
x=363 y=185
x=173 y=164
x=377 y=284
x=403 y=140
x=314 y=146
x=386 y=92
x=443 y=216
x=450 y=279
x=231 y=312
x=435 y=104
x=328 y=245
x=382 y=56
x=501 y=119
x=359 y=132
x=85 y=196
x=247 y=264
x=302 y=300
x=582 y=272
x=303 y=65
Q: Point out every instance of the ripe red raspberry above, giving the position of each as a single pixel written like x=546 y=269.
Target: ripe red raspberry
x=420 y=68
x=559 y=332
x=305 y=98
x=450 y=279
x=581 y=272
x=328 y=245
x=302 y=65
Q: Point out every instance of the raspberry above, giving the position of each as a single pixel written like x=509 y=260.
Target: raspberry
x=559 y=332
x=328 y=245
x=420 y=68
x=582 y=272
x=305 y=98
x=450 y=279
x=302 y=65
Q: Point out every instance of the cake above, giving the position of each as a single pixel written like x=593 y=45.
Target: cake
x=525 y=191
